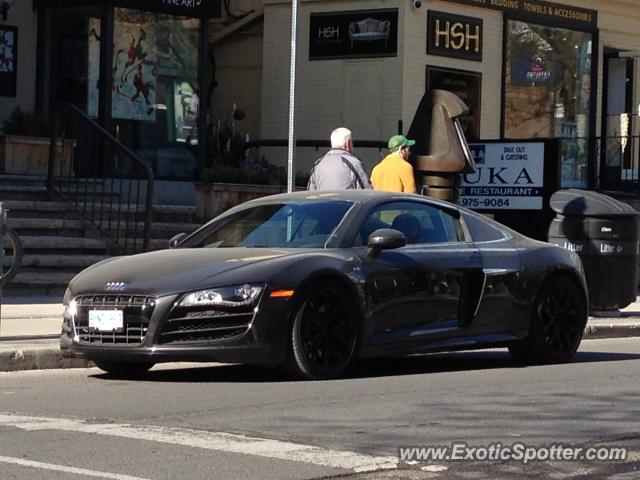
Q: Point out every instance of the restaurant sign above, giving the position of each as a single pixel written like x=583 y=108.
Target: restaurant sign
x=545 y=12
x=508 y=176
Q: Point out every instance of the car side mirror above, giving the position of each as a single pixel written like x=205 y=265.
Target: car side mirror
x=176 y=239
x=385 y=239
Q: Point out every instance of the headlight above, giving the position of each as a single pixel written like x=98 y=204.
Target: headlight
x=226 y=296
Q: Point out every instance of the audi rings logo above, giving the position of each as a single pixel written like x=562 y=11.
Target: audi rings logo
x=115 y=286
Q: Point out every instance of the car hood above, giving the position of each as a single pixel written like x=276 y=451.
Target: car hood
x=167 y=272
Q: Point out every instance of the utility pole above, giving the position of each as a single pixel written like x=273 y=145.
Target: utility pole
x=291 y=171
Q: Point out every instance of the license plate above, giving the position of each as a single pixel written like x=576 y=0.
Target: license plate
x=106 y=320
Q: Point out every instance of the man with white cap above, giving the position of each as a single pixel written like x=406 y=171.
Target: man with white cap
x=339 y=168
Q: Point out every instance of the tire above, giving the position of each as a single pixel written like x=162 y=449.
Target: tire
x=558 y=320
x=325 y=333
x=123 y=369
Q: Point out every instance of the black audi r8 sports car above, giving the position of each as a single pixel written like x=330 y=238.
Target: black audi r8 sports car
x=312 y=280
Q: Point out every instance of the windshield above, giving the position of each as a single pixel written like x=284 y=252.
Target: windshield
x=290 y=225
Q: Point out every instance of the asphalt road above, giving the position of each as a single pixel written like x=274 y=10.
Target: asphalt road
x=235 y=422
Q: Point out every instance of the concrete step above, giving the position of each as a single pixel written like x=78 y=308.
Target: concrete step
x=38 y=283
x=42 y=277
x=33 y=180
x=58 y=261
x=92 y=196
x=158 y=230
x=22 y=208
x=44 y=209
x=154 y=243
x=62 y=243
x=32 y=227
x=175 y=213
x=22 y=192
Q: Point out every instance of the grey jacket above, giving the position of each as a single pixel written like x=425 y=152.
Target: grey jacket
x=338 y=170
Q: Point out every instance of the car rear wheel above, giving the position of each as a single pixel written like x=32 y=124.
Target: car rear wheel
x=324 y=336
x=557 y=324
x=123 y=369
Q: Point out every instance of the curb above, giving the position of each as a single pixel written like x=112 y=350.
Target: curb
x=19 y=359
x=593 y=332
x=32 y=357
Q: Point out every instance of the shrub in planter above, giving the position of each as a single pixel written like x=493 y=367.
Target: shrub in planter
x=26 y=124
x=24 y=144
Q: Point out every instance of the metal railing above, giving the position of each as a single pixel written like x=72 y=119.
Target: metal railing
x=102 y=178
x=619 y=153
x=616 y=162
x=317 y=144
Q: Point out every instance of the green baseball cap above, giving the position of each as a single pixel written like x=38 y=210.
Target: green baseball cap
x=398 y=141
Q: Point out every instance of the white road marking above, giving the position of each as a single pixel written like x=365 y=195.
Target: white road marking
x=219 y=441
x=63 y=468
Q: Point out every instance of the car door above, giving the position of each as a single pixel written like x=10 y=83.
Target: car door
x=427 y=288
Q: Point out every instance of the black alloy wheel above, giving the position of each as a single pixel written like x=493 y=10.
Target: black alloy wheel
x=557 y=324
x=123 y=369
x=324 y=337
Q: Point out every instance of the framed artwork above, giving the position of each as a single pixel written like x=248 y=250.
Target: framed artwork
x=353 y=34
x=8 y=60
x=134 y=72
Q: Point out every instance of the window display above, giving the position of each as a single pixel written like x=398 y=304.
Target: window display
x=548 y=91
x=155 y=97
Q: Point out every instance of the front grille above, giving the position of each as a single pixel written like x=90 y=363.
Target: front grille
x=136 y=311
x=205 y=324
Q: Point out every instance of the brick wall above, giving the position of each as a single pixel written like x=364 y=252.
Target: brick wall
x=362 y=94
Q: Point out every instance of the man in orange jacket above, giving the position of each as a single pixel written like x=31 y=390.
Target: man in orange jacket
x=394 y=173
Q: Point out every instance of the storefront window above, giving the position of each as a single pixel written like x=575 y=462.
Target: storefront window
x=548 y=90
x=65 y=62
x=155 y=91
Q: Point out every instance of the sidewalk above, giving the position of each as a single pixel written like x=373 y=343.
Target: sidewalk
x=29 y=331
x=30 y=327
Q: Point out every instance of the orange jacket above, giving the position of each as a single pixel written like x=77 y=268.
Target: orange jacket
x=393 y=174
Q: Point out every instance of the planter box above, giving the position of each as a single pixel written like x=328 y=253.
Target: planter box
x=214 y=198
x=30 y=155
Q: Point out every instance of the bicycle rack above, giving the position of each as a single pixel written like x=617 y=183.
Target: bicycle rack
x=6 y=231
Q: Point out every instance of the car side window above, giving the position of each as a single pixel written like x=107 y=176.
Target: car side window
x=419 y=222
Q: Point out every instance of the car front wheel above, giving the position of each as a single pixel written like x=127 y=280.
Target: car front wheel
x=557 y=324
x=324 y=336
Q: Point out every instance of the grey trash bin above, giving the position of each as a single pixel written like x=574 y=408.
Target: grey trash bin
x=604 y=233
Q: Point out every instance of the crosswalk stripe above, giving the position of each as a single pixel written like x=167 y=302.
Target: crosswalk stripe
x=219 y=441
x=63 y=468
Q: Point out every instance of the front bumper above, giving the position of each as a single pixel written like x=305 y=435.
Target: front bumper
x=258 y=336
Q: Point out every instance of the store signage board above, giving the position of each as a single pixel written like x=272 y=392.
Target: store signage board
x=187 y=8
x=191 y=8
x=454 y=36
x=538 y=11
x=509 y=176
x=353 y=34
